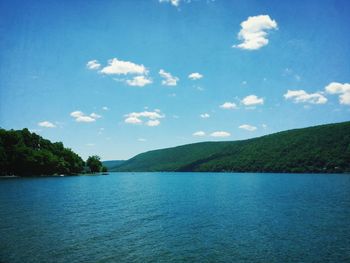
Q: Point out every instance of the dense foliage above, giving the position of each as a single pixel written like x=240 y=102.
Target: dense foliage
x=318 y=149
x=25 y=153
x=94 y=164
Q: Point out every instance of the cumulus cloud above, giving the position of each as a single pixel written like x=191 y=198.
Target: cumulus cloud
x=253 y=32
x=120 y=67
x=252 y=100
x=127 y=68
x=228 y=105
x=195 y=76
x=172 y=2
x=95 y=115
x=220 y=134
x=133 y=120
x=139 y=81
x=343 y=90
x=168 y=79
x=93 y=65
x=79 y=116
x=153 y=123
x=301 y=96
x=46 y=124
x=141 y=140
x=149 y=118
x=204 y=115
x=247 y=127
x=105 y=108
x=198 y=134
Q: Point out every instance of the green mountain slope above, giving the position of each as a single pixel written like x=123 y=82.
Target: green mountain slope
x=324 y=148
x=112 y=165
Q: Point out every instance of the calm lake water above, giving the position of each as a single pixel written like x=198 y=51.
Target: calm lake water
x=178 y=217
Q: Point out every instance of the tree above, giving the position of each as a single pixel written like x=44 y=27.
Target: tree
x=94 y=163
x=104 y=169
x=25 y=153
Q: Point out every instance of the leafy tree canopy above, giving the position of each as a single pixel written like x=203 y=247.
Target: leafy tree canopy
x=25 y=153
x=94 y=164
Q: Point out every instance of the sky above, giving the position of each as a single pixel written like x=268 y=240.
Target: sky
x=118 y=77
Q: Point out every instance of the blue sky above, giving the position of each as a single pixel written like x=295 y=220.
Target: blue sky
x=117 y=78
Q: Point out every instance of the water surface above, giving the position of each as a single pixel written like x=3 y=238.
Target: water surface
x=176 y=217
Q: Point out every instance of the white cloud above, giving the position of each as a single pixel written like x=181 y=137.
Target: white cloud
x=139 y=81
x=151 y=118
x=79 y=116
x=156 y=114
x=90 y=144
x=252 y=100
x=199 y=134
x=301 y=96
x=105 y=108
x=168 y=79
x=220 y=134
x=247 y=127
x=172 y=2
x=264 y=126
x=119 y=67
x=133 y=120
x=93 y=65
x=228 y=105
x=204 y=115
x=343 y=90
x=195 y=76
x=85 y=119
x=141 y=140
x=95 y=115
x=153 y=123
x=47 y=124
x=76 y=114
x=253 y=32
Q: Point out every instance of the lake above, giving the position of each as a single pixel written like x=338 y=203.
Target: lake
x=176 y=217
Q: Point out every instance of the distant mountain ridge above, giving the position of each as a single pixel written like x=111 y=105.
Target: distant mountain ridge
x=113 y=164
x=318 y=149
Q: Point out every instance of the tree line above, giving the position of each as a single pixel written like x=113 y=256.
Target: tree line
x=26 y=154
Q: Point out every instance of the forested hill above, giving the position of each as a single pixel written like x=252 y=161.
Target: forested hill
x=112 y=165
x=25 y=153
x=319 y=149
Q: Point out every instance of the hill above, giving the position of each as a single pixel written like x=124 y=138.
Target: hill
x=318 y=149
x=25 y=153
x=112 y=165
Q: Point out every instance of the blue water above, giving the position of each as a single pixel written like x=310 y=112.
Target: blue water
x=176 y=217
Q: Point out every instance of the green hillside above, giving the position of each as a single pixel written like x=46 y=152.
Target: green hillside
x=318 y=149
x=112 y=165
